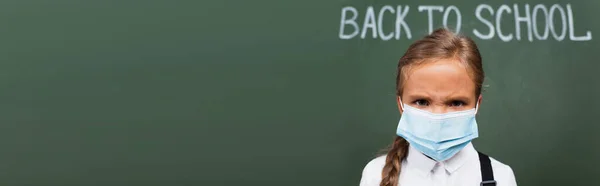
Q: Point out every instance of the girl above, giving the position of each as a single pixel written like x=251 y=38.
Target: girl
x=438 y=88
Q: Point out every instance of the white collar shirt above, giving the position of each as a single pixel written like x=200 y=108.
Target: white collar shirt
x=462 y=169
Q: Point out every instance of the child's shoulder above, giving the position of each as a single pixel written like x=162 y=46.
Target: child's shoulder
x=371 y=174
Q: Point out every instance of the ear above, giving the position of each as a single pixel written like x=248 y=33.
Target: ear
x=399 y=102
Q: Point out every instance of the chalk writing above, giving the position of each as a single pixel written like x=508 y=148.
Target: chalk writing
x=530 y=22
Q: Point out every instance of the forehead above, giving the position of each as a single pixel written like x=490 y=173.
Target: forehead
x=440 y=78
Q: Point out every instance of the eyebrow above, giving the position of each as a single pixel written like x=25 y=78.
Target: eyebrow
x=417 y=96
x=463 y=98
x=449 y=98
x=466 y=100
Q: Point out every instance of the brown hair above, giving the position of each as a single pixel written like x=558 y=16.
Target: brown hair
x=440 y=44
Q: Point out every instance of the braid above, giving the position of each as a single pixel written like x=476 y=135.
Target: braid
x=391 y=171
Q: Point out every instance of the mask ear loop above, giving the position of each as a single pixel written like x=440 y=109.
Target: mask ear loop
x=476 y=107
x=401 y=104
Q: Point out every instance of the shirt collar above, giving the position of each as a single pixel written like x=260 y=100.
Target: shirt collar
x=417 y=160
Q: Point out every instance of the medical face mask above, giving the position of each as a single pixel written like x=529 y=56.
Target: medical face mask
x=439 y=136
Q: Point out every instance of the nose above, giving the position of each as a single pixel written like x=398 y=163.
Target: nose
x=438 y=109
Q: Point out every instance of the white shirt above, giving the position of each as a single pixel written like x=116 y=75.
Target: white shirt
x=462 y=169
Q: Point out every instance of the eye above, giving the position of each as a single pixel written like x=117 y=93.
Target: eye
x=457 y=103
x=421 y=102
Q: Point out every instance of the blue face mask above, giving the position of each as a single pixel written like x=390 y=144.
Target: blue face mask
x=439 y=136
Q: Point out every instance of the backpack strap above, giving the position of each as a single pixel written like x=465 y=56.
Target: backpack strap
x=487 y=174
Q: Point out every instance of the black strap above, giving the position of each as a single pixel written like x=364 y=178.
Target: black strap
x=487 y=174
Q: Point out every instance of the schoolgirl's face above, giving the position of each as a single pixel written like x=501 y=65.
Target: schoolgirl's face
x=439 y=86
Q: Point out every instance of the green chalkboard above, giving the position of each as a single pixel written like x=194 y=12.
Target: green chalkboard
x=142 y=93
